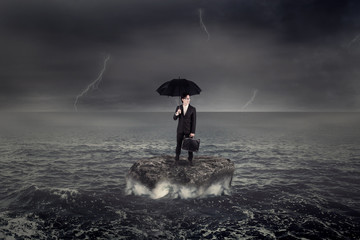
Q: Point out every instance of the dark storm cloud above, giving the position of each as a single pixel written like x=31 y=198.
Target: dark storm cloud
x=90 y=22
x=296 y=53
x=312 y=20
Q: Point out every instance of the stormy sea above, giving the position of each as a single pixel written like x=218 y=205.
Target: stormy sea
x=63 y=176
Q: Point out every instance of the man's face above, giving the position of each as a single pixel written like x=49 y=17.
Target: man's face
x=186 y=100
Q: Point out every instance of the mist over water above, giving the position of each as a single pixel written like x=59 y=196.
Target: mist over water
x=63 y=175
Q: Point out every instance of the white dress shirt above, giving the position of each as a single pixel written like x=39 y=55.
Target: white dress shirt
x=185 y=108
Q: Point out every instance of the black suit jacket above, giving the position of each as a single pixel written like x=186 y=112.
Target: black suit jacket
x=187 y=122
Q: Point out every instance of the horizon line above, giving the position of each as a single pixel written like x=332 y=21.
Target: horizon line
x=224 y=111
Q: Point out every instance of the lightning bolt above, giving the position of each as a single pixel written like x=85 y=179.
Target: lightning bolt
x=93 y=85
x=251 y=100
x=354 y=40
x=202 y=25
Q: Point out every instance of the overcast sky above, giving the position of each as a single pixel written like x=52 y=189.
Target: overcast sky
x=258 y=55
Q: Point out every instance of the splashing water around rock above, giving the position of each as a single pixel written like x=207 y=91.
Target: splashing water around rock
x=159 y=177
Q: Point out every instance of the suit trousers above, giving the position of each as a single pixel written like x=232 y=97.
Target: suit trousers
x=179 y=140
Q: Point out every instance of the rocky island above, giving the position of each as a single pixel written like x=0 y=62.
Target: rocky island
x=160 y=176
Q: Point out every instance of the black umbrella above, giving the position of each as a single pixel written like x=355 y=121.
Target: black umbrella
x=176 y=87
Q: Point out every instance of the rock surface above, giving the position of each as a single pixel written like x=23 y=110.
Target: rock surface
x=205 y=171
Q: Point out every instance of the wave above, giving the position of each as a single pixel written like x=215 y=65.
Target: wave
x=166 y=189
x=34 y=195
x=20 y=227
x=57 y=213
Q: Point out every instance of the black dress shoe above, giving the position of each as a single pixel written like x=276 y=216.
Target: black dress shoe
x=191 y=162
x=177 y=158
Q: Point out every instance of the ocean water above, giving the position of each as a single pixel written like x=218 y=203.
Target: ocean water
x=62 y=176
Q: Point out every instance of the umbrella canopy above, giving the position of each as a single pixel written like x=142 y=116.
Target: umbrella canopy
x=176 y=87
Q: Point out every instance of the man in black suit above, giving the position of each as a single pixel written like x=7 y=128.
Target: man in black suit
x=186 y=124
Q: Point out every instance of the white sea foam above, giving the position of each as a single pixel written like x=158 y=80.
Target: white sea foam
x=20 y=226
x=64 y=193
x=267 y=233
x=172 y=190
x=248 y=213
